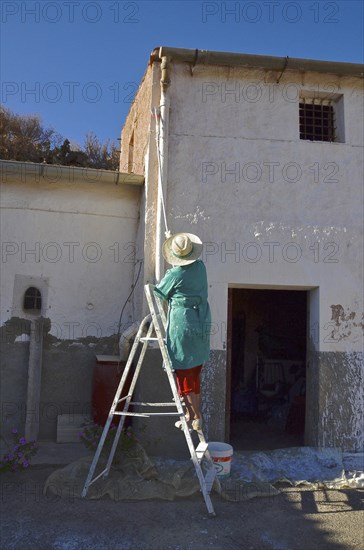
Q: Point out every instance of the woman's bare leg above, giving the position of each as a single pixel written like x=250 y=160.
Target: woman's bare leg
x=192 y=401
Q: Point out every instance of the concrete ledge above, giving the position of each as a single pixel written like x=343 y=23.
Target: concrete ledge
x=53 y=453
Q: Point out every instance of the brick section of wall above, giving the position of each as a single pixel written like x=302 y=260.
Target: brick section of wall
x=138 y=121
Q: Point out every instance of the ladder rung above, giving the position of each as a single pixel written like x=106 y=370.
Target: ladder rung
x=201 y=449
x=202 y=446
x=123 y=398
x=147 y=414
x=152 y=343
x=150 y=339
x=172 y=404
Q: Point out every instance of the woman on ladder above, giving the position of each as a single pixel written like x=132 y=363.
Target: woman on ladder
x=184 y=286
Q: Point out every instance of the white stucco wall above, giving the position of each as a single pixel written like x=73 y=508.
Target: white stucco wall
x=79 y=237
x=290 y=212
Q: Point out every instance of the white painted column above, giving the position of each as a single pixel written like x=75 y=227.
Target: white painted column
x=34 y=379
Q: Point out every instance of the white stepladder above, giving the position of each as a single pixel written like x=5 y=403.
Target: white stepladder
x=157 y=324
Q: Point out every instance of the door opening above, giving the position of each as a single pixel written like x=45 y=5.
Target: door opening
x=267 y=371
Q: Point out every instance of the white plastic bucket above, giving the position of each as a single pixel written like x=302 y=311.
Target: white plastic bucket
x=221 y=454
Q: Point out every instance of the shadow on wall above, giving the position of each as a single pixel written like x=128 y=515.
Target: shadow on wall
x=66 y=376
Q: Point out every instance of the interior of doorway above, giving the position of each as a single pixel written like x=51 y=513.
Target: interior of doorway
x=267 y=371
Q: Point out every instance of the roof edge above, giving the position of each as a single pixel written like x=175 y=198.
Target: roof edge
x=206 y=57
x=54 y=173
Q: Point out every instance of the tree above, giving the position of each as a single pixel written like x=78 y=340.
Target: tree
x=101 y=155
x=68 y=156
x=24 y=138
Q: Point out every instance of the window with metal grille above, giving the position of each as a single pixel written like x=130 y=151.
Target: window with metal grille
x=32 y=300
x=317 y=120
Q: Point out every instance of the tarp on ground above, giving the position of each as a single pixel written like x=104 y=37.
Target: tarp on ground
x=309 y=466
x=134 y=476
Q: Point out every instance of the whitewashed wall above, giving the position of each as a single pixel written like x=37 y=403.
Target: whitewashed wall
x=80 y=238
x=74 y=240
x=289 y=212
x=275 y=211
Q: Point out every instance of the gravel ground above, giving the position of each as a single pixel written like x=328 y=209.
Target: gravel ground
x=296 y=519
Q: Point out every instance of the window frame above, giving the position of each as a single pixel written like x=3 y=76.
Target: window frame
x=32 y=294
x=333 y=100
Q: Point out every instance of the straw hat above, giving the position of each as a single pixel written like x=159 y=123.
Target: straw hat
x=182 y=249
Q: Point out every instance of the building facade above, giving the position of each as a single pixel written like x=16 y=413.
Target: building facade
x=68 y=264
x=262 y=158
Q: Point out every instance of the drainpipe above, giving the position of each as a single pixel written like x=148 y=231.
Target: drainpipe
x=163 y=159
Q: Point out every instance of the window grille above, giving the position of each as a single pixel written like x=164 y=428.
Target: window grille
x=317 y=120
x=32 y=300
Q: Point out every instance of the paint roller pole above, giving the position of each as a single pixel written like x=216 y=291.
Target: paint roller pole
x=162 y=136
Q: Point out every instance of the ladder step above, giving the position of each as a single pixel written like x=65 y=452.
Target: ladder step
x=172 y=404
x=122 y=413
x=200 y=450
x=152 y=343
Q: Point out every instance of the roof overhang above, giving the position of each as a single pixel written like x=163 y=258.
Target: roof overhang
x=205 y=57
x=11 y=170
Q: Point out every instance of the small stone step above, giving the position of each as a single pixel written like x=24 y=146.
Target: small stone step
x=69 y=426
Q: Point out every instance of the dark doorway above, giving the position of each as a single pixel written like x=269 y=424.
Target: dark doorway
x=267 y=368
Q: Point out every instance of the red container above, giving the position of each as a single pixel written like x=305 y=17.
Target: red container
x=107 y=375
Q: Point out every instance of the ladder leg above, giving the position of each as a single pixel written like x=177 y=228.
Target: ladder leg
x=161 y=311
x=96 y=457
x=205 y=489
x=127 y=402
x=95 y=460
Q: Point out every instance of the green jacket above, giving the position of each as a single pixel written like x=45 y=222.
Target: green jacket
x=189 y=317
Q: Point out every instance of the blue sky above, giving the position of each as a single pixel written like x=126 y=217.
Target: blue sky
x=78 y=63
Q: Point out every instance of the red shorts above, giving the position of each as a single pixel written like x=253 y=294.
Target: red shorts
x=188 y=380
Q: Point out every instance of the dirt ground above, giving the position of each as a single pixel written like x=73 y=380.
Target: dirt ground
x=296 y=519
